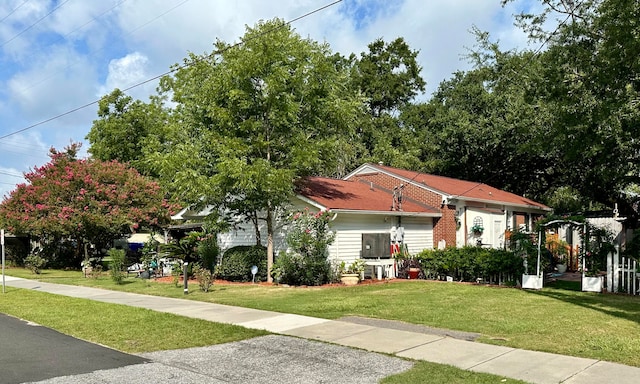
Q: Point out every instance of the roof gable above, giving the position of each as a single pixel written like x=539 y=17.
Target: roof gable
x=453 y=188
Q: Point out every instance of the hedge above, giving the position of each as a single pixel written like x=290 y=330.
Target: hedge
x=471 y=264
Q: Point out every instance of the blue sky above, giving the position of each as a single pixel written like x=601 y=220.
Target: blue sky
x=56 y=56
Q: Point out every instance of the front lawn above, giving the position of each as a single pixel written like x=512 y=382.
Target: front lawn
x=137 y=330
x=128 y=329
x=599 y=326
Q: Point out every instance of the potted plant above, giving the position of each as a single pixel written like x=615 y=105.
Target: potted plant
x=351 y=274
x=477 y=230
x=413 y=270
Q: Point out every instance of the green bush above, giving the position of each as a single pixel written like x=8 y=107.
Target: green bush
x=116 y=265
x=204 y=277
x=295 y=269
x=471 y=263
x=308 y=237
x=208 y=251
x=237 y=262
x=34 y=262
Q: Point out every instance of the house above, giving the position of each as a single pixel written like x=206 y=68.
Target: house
x=378 y=209
x=463 y=205
x=367 y=220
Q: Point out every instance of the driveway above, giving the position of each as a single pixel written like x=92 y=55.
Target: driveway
x=33 y=353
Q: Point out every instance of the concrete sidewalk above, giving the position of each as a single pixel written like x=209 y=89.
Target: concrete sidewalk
x=530 y=366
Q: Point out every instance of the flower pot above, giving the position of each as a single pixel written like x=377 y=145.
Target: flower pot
x=591 y=284
x=350 y=278
x=532 y=282
x=562 y=268
x=413 y=273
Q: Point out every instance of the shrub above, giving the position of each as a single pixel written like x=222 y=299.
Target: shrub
x=176 y=271
x=308 y=238
x=237 y=262
x=116 y=265
x=34 y=262
x=204 y=277
x=294 y=269
x=96 y=271
x=208 y=251
x=471 y=263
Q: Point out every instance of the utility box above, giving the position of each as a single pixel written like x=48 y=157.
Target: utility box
x=376 y=245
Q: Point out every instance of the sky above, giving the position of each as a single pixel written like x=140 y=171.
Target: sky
x=58 y=57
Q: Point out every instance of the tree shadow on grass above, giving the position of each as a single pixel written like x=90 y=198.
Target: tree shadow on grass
x=617 y=305
x=565 y=285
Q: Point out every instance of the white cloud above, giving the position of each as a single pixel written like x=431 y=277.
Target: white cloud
x=125 y=72
x=85 y=49
x=56 y=82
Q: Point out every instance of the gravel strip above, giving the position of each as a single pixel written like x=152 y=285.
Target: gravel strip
x=272 y=358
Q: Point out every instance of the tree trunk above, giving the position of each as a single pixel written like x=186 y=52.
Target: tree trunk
x=269 y=243
x=256 y=227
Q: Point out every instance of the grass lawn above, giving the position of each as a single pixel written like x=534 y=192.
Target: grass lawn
x=599 y=326
x=121 y=327
x=137 y=330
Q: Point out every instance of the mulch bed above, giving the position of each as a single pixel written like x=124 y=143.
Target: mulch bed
x=169 y=280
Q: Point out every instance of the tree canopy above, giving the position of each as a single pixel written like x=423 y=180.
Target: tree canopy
x=558 y=124
x=83 y=202
x=250 y=119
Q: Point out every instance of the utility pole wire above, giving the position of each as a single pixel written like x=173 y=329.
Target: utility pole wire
x=172 y=70
x=34 y=24
x=13 y=11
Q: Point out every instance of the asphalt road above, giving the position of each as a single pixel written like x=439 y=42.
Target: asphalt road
x=32 y=353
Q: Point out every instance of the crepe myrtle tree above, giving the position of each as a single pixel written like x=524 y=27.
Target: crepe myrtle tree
x=82 y=201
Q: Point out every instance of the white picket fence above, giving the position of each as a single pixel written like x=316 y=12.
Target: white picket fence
x=622 y=275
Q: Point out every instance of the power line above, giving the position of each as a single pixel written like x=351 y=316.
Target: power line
x=10 y=174
x=34 y=24
x=69 y=112
x=14 y=10
x=101 y=49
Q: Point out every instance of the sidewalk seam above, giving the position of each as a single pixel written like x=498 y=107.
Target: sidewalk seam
x=421 y=345
x=491 y=359
x=575 y=374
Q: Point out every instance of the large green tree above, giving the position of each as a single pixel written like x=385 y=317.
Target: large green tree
x=127 y=129
x=480 y=126
x=388 y=75
x=252 y=118
x=82 y=202
x=591 y=82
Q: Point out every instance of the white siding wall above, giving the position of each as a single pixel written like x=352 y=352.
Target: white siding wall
x=245 y=235
x=347 y=246
x=349 y=228
x=418 y=234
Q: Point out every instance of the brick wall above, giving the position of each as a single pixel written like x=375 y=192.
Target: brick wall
x=444 y=228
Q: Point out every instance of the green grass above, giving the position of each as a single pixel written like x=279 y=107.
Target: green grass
x=137 y=330
x=599 y=326
x=425 y=372
x=120 y=327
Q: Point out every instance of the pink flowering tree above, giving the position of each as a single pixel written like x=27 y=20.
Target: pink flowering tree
x=78 y=202
x=310 y=234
